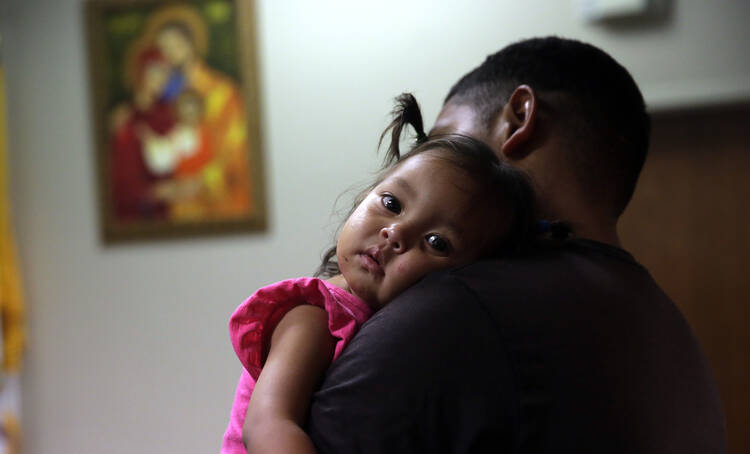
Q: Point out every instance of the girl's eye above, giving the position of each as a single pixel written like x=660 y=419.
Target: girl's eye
x=391 y=203
x=437 y=243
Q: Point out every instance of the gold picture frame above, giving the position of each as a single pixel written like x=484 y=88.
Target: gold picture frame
x=175 y=102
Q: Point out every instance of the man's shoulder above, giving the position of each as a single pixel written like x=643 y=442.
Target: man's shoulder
x=544 y=293
x=550 y=271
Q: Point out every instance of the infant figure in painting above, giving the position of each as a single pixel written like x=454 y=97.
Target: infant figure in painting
x=447 y=202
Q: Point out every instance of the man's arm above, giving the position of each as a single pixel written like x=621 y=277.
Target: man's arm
x=425 y=374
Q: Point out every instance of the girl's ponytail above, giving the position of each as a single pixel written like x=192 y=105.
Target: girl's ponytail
x=406 y=112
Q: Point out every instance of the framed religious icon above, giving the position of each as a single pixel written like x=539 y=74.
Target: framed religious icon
x=175 y=103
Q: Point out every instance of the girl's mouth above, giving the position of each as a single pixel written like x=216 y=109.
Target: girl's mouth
x=372 y=260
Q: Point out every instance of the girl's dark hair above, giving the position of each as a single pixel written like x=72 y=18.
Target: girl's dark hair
x=504 y=189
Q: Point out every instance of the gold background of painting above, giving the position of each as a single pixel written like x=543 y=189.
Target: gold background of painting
x=179 y=12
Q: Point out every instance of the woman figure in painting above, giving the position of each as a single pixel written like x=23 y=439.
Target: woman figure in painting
x=212 y=181
x=134 y=173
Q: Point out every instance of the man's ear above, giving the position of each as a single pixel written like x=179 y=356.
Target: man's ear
x=514 y=127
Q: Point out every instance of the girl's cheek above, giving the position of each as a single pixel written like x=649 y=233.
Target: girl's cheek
x=357 y=218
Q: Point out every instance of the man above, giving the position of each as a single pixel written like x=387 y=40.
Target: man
x=568 y=349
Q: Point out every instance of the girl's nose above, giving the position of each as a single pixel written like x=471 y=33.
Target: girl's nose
x=393 y=237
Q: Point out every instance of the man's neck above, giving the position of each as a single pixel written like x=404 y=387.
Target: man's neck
x=560 y=198
x=584 y=221
x=600 y=233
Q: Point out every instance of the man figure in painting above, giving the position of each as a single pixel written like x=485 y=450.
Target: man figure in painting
x=568 y=349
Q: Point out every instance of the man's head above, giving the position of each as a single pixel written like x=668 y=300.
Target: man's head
x=563 y=110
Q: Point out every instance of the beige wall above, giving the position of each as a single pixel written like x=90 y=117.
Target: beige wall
x=128 y=345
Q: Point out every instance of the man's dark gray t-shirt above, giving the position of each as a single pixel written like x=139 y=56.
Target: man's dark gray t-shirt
x=570 y=349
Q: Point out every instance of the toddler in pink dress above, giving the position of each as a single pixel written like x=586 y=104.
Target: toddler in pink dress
x=252 y=323
x=447 y=202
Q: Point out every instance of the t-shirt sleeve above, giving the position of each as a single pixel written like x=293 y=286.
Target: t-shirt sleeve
x=253 y=322
x=426 y=374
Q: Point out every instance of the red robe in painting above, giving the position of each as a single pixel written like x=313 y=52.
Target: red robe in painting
x=132 y=182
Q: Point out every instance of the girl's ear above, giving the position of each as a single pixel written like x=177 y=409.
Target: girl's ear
x=514 y=127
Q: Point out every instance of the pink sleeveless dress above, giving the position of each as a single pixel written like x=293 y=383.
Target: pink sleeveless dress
x=252 y=324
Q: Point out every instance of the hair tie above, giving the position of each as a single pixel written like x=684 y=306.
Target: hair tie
x=543 y=226
x=555 y=230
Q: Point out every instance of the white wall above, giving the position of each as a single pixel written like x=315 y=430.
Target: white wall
x=128 y=345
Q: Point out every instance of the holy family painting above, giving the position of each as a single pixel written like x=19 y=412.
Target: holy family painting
x=175 y=101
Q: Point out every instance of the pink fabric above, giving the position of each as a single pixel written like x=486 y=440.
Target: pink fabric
x=253 y=322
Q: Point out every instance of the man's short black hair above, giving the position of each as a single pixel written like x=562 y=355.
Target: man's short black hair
x=597 y=100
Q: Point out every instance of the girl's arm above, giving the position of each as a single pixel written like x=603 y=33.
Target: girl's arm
x=301 y=350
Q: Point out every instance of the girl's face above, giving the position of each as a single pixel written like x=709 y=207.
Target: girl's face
x=424 y=216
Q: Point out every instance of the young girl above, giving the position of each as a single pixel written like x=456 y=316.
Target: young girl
x=446 y=202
